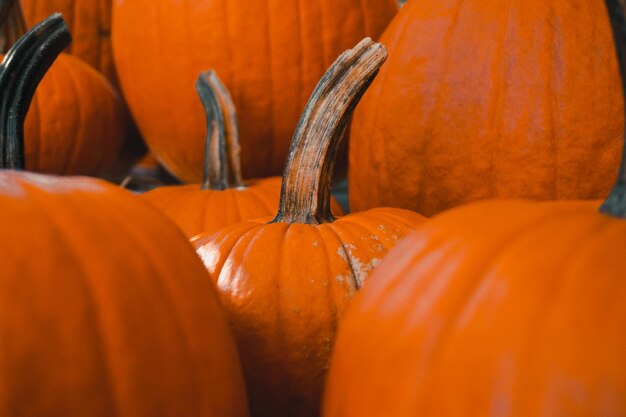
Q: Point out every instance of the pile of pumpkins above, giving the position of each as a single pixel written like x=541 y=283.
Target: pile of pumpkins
x=478 y=272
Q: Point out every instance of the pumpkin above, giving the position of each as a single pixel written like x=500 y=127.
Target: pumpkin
x=77 y=122
x=105 y=309
x=269 y=54
x=285 y=284
x=90 y=24
x=473 y=91
x=223 y=198
x=500 y=308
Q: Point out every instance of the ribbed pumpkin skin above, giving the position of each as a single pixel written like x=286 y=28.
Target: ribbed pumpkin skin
x=489 y=98
x=76 y=124
x=90 y=24
x=105 y=310
x=270 y=55
x=198 y=211
x=285 y=288
x=501 y=309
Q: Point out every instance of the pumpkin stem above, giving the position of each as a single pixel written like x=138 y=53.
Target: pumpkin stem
x=305 y=193
x=12 y=22
x=222 y=167
x=615 y=204
x=22 y=69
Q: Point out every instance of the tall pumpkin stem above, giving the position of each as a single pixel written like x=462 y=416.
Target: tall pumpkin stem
x=222 y=166
x=12 y=22
x=305 y=193
x=22 y=69
x=615 y=204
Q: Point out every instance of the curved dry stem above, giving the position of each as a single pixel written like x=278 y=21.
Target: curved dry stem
x=222 y=166
x=615 y=204
x=12 y=22
x=21 y=71
x=305 y=193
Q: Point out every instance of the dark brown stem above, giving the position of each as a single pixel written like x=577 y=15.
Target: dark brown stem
x=12 y=22
x=222 y=166
x=22 y=69
x=615 y=204
x=305 y=193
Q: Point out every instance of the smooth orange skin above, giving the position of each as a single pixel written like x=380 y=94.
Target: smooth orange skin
x=76 y=124
x=508 y=308
x=270 y=55
x=489 y=98
x=285 y=288
x=89 y=22
x=198 y=211
x=105 y=309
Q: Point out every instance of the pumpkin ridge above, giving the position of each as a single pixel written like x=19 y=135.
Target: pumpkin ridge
x=280 y=321
x=271 y=84
x=259 y=197
x=102 y=341
x=330 y=294
x=251 y=230
x=236 y=204
x=346 y=256
x=498 y=103
x=550 y=303
x=76 y=144
x=208 y=202
x=372 y=216
x=301 y=52
x=326 y=57
x=425 y=148
x=329 y=257
x=159 y=285
x=373 y=94
x=477 y=273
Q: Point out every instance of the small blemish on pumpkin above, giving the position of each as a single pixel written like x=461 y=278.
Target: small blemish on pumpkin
x=316 y=244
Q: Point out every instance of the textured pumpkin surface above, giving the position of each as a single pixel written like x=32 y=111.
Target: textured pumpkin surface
x=198 y=211
x=489 y=98
x=90 y=24
x=285 y=288
x=270 y=55
x=105 y=310
x=76 y=123
x=502 y=309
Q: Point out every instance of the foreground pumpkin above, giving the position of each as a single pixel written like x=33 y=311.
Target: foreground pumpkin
x=90 y=24
x=286 y=284
x=77 y=123
x=269 y=54
x=476 y=89
x=503 y=308
x=223 y=198
x=105 y=309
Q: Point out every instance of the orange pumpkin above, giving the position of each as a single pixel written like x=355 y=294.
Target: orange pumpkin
x=90 y=24
x=269 y=54
x=105 y=309
x=502 y=308
x=223 y=198
x=475 y=90
x=77 y=123
x=286 y=284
